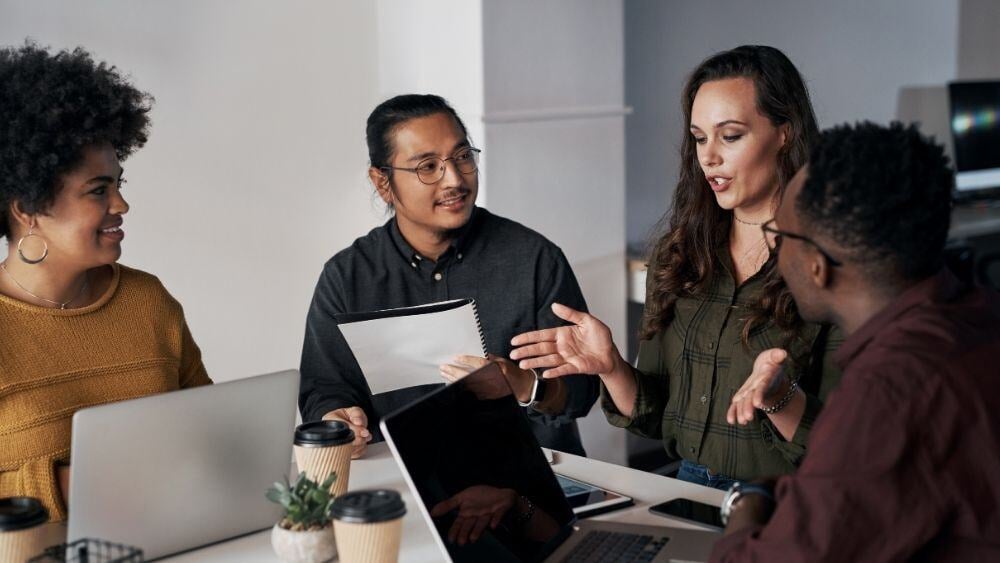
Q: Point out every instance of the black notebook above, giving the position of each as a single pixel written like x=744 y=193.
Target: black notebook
x=398 y=348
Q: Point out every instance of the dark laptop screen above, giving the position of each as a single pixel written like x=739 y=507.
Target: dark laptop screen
x=470 y=443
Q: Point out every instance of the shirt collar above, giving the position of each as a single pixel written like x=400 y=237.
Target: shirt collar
x=468 y=231
x=941 y=286
x=459 y=245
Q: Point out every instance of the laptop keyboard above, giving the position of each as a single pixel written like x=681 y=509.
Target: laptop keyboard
x=601 y=547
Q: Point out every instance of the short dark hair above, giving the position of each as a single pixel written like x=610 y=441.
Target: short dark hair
x=883 y=194
x=52 y=107
x=392 y=113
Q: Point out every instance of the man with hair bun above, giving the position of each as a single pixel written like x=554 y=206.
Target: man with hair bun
x=438 y=245
x=903 y=461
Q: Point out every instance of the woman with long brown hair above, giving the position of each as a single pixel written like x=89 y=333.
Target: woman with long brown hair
x=728 y=375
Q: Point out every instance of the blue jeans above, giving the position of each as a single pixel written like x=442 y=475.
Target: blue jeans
x=694 y=473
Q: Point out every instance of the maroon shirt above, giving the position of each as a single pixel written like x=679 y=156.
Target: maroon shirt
x=904 y=460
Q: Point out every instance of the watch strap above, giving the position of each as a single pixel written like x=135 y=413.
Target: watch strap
x=737 y=491
x=537 y=391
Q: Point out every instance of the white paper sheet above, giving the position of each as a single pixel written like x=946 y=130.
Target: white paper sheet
x=404 y=351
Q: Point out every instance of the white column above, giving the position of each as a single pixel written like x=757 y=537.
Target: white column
x=540 y=86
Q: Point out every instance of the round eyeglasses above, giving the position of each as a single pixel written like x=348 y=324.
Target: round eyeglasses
x=431 y=170
x=773 y=238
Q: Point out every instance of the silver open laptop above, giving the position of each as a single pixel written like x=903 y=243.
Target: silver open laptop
x=463 y=439
x=180 y=470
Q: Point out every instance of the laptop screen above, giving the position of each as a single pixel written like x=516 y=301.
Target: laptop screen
x=478 y=471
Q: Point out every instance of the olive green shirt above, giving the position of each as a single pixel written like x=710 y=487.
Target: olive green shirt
x=687 y=375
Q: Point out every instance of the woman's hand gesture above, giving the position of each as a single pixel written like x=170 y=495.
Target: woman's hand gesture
x=583 y=347
x=766 y=384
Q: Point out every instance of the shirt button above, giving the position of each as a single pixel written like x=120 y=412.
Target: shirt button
x=704 y=399
x=711 y=345
x=691 y=449
x=438 y=276
x=414 y=264
x=459 y=255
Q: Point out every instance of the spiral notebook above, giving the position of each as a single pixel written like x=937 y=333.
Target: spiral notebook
x=398 y=348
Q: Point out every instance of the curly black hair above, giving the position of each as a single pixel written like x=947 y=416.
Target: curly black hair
x=53 y=106
x=882 y=193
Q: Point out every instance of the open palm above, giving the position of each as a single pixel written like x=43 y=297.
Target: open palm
x=583 y=347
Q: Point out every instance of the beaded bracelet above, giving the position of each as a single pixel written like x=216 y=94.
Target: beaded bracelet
x=783 y=402
x=523 y=519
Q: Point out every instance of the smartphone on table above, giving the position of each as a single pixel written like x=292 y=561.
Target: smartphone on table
x=704 y=515
x=591 y=500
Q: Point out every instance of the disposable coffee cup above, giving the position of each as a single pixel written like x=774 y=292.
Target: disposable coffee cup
x=368 y=526
x=325 y=447
x=23 y=533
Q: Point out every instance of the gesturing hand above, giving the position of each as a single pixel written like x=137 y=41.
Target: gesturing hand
x=766 y=383
x=583 y=347
x=478 y=506
x=356 y=418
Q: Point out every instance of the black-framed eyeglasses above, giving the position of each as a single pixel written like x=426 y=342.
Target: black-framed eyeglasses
x=431 y=170
x=773 y=237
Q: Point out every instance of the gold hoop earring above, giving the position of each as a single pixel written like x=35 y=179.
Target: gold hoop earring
x=24 y=258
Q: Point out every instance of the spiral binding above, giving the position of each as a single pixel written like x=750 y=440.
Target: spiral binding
x=479 y=325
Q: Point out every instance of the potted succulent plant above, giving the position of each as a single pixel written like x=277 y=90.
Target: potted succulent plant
x=305 y=533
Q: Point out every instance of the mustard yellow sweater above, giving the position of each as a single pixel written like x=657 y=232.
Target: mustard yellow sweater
x=131 y=343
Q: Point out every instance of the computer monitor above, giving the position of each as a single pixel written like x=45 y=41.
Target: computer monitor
x=975 y=127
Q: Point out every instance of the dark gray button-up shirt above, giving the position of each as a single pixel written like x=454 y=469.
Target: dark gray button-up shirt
x=513 y=273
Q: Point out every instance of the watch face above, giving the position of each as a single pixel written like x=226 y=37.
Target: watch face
x=538 y=392
x=732 y=494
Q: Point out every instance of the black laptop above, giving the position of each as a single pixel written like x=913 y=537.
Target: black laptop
x=471 y=441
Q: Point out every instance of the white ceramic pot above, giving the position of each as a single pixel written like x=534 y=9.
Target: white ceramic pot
x=303 y=547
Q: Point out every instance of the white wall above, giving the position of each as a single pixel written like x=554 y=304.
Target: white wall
x=540 y=87
x=978 y=40
x=255 y=170
x=855 y=55
x=555 y=126
x=435 y=47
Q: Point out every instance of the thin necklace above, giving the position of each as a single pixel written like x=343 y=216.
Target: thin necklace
x=61 y=305
x=738 y=220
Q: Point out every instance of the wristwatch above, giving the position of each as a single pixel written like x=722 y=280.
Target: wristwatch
x=738 y=490
x=537 y=391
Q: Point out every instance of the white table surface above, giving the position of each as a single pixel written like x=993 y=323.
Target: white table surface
x=970 y=221
x=378 y=470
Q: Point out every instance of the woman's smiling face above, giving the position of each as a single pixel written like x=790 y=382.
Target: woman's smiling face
x=737 y=146
x=82 y=228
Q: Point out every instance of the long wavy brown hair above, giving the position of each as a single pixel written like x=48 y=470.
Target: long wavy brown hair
x=696 y=228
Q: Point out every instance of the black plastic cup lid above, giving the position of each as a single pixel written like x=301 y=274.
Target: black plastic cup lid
x=19 y=513
x=323 y=433
x=364 y=507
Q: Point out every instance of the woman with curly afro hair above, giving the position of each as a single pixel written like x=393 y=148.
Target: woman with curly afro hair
x=76 y=328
